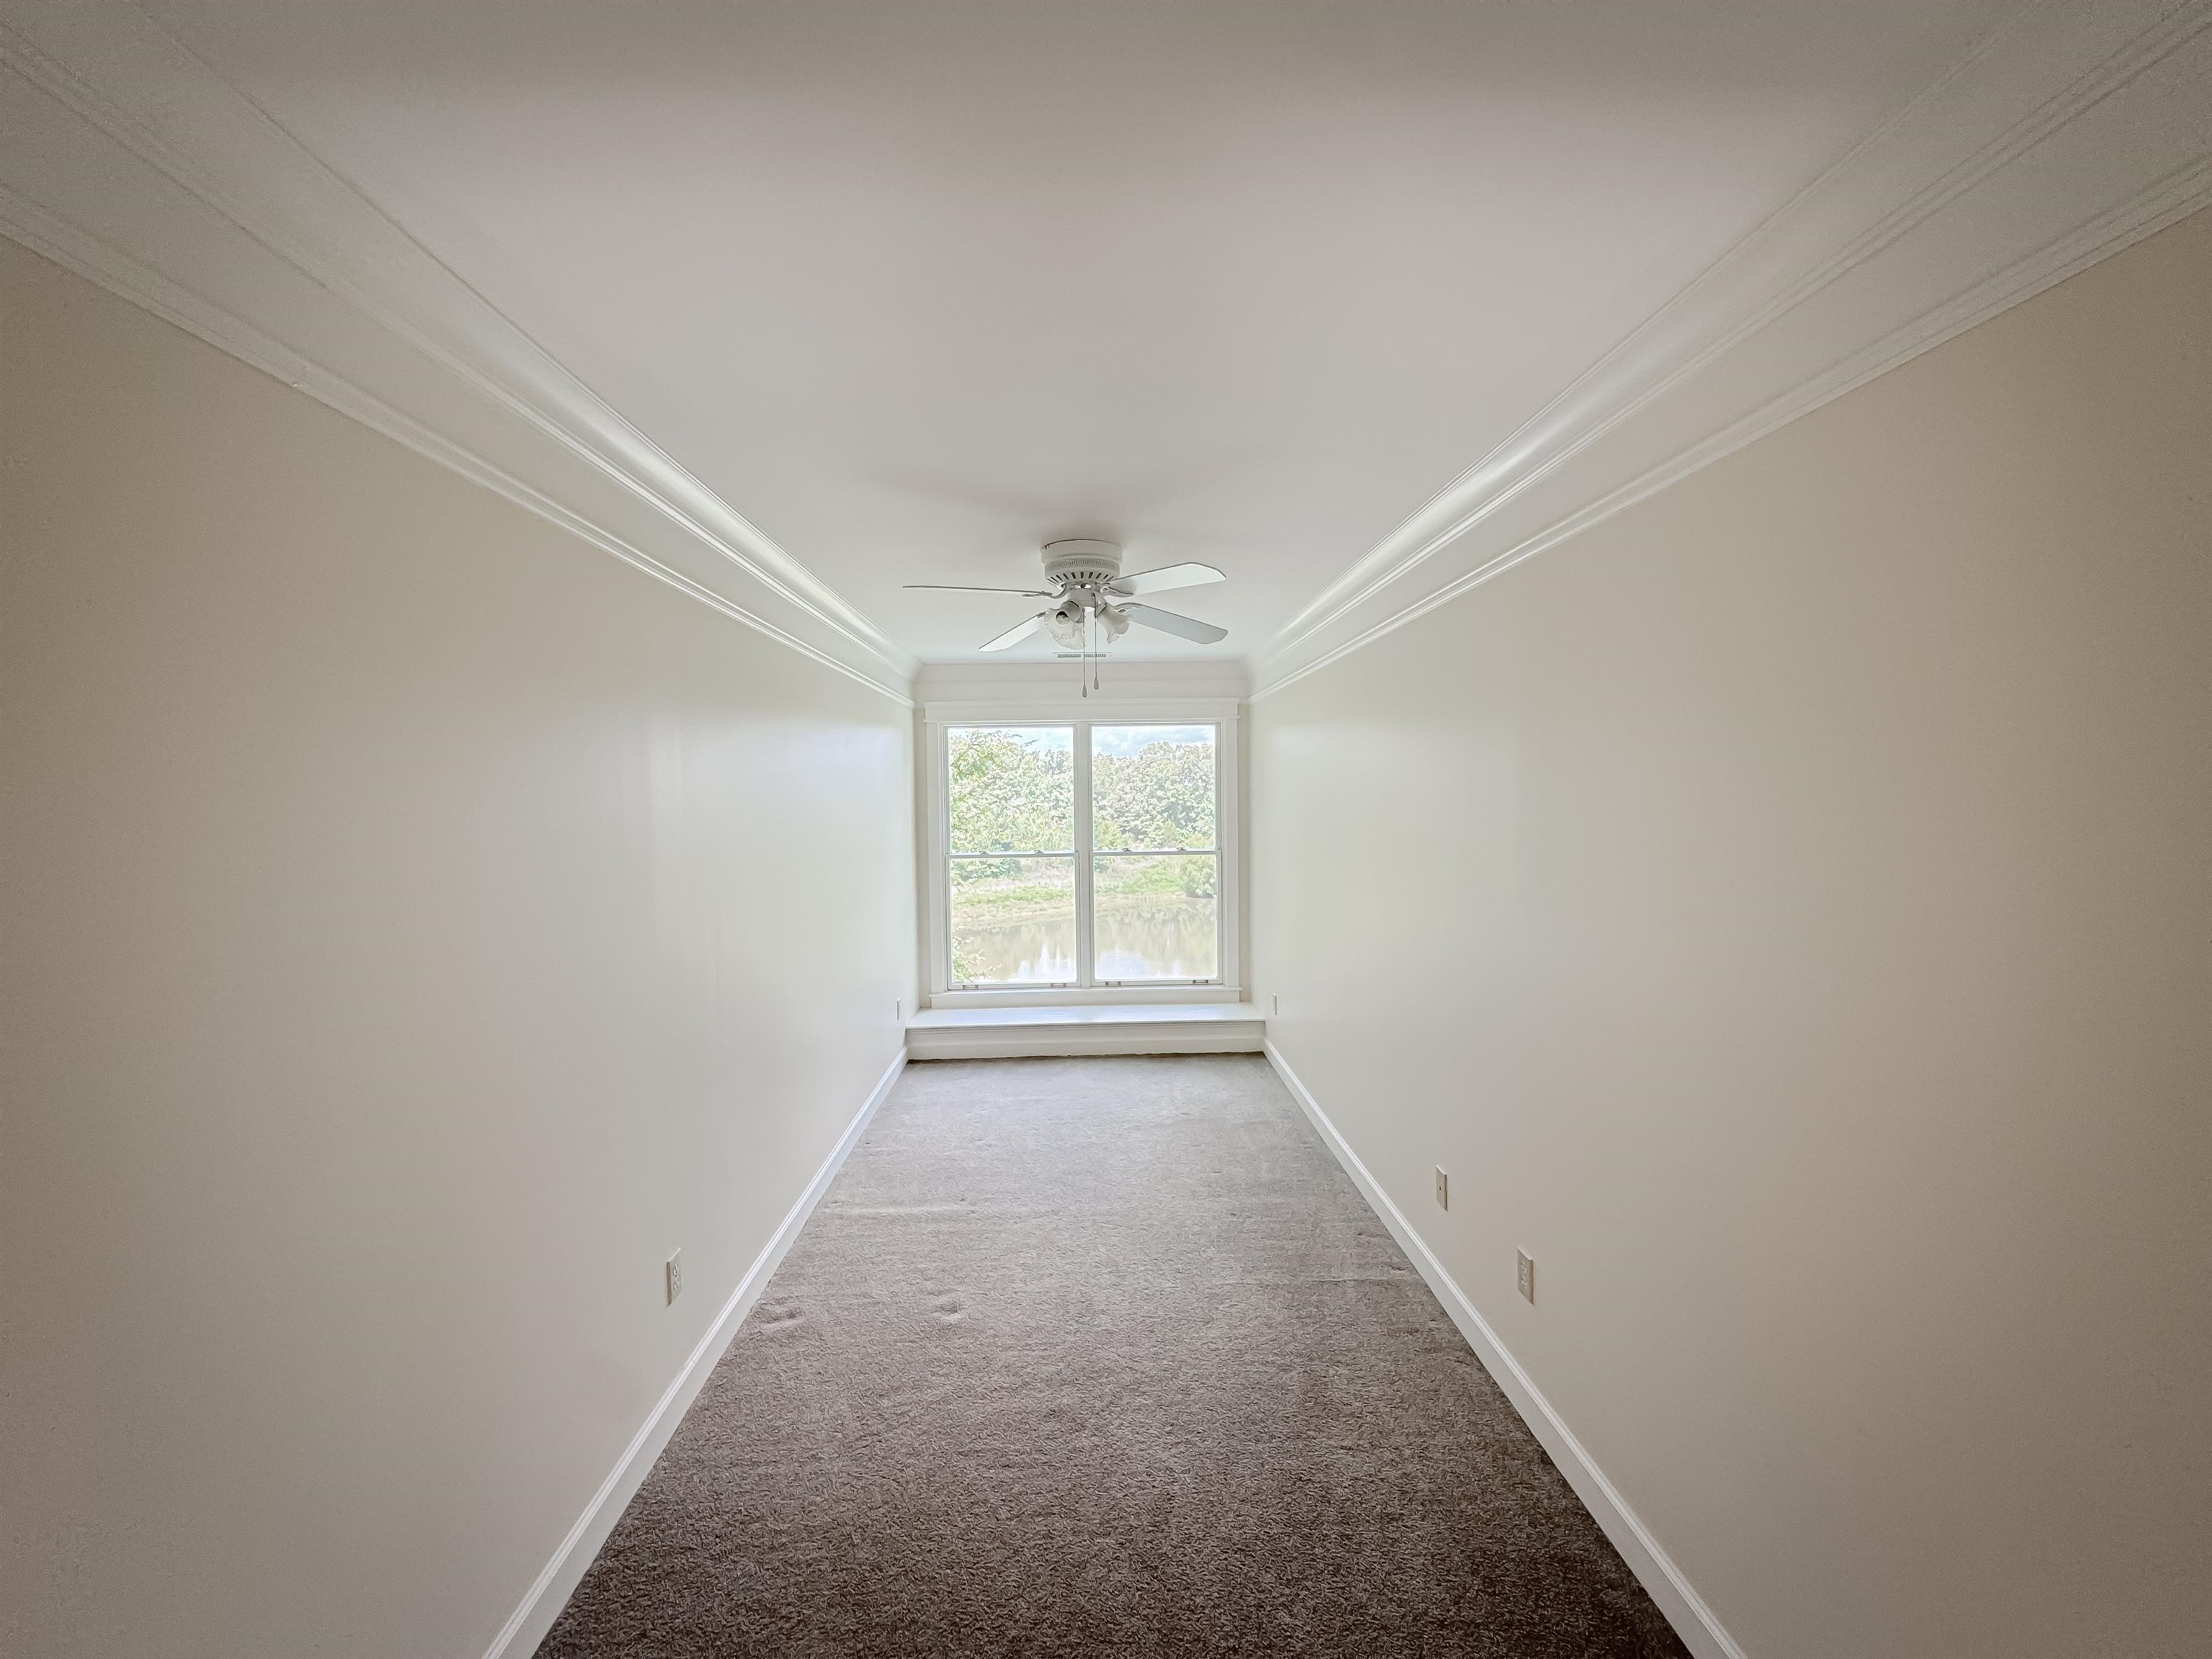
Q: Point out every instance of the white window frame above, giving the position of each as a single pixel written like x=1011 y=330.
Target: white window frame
x=1221 y=714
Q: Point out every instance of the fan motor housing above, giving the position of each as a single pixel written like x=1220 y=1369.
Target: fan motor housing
x=1081 y=563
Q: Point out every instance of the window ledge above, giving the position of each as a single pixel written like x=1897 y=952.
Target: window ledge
x=1157 y=1028
x=1134 y=995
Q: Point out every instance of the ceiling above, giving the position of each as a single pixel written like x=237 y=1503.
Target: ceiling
x=918 y=286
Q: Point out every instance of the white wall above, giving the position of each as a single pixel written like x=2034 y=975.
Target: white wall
x=417 y=924
x=1783 y=910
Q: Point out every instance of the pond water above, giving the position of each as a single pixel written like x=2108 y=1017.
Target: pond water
x=1160 y=938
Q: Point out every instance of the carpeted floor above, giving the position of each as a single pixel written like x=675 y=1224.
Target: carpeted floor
x=1102 y=1357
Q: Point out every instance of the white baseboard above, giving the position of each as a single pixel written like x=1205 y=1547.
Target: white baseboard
x=1693 y=1621
x=523 y=1632
x=1685 y=1610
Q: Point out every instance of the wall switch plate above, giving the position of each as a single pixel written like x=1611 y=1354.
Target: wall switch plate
x=1443 y=1189
x=1275 y=1003
x=898 y=1011
x=1524 y=1275
x=676 y=1275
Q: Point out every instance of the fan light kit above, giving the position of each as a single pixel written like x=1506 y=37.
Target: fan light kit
x=1092 y=607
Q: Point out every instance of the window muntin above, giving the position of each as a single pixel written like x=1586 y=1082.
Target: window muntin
x=1083 y=854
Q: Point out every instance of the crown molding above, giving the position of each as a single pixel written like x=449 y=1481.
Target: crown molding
x=2069 y=132
x=126 y=159
x=2077 y=128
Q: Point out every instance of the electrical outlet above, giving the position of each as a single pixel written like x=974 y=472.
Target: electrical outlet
x=1443 y=1189
x=1524 y=1275
x=675 y=1275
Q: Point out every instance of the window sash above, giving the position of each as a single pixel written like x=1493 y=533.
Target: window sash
x=1165 y=979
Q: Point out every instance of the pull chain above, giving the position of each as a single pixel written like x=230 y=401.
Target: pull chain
x=1093 y=647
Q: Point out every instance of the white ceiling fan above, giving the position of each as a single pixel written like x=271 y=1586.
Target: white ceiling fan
x=1093 y=597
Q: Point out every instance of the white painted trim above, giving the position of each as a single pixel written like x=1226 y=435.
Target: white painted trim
x=1701 y=1630
x=2168 y=202
x=1117 y=1013
x=132 y=162
x=1182 y=678
x=26 y=223
x=1086 y=815
x=2016 y=169
x=1152 y=1040
x=1228 y=839
x=1081 y=996
x=1161 y=711
x=981 y=1033
x=541 y=1605
x=128 y=161
x=934 y=893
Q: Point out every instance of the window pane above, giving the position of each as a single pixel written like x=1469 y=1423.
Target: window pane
x=1156 y=918
x=1012 y=788
x=1013 y=922
x=1151 y=787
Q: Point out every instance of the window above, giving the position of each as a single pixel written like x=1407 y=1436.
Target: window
x=1081 y=854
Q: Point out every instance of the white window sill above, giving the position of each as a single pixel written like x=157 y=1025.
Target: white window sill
x=1153 y=1013
x=1072 y=996
x=1156 y=1028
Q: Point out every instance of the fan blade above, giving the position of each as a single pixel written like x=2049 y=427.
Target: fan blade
x=1167 y=576
x=956 y=587
x=1017 y=633
x=1167 y=622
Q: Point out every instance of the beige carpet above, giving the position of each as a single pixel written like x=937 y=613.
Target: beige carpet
x=1102 y=1357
